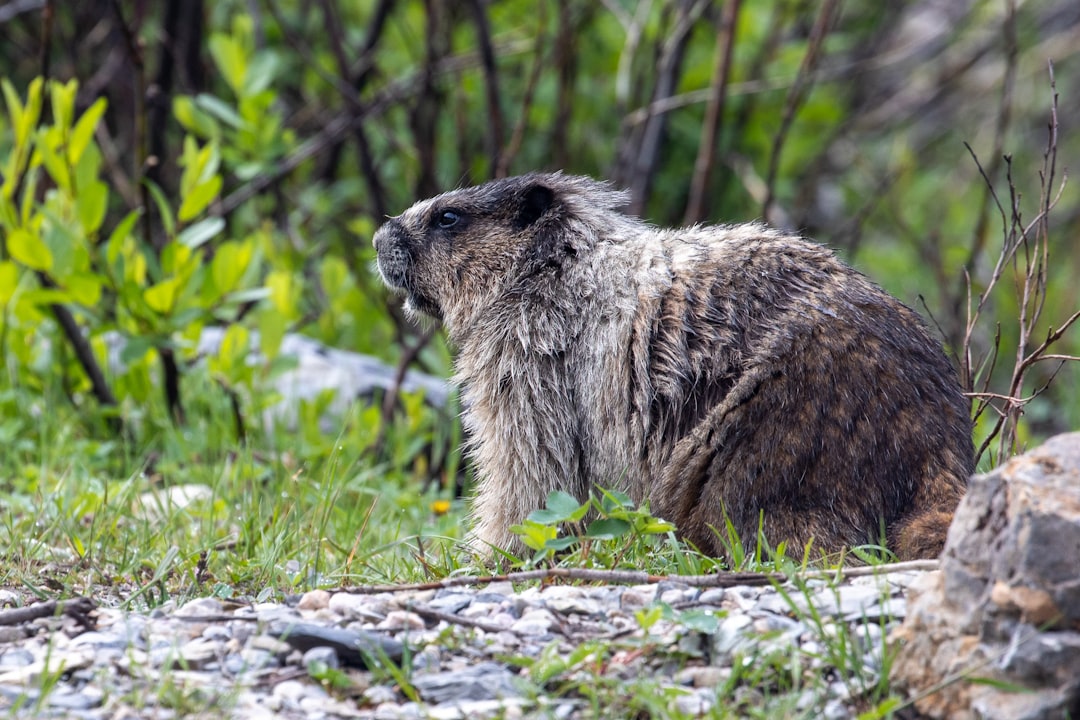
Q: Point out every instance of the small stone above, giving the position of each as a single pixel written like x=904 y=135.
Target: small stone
x=702 y=676
x=730 y=636
x=695 y=703
x=712 y=596
x=201 y=606
x=485 y=681
x=450 y=602
x=401 y=620
x=270 y=644
x=321 y=657
x=16 y=657
x=197 y=654
x=380 y=695
x=291 y=690
x=676 y=595
x=314 y=600
x=573 y=605
x=534 y=622
x=638 y=596
x=256 y=659
x=86 y=699
x=361 y=607
x=217 y=632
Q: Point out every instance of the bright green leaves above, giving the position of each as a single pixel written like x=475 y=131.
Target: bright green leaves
x=248 y=72
x=248 y=128
x=9 y=280
x=156 y=283
x=28 y=249
x=200 y=182
x=54 y=235
x=24 y=119
x=618 y=525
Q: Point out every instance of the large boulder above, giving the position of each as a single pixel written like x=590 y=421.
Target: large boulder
x=995 y=633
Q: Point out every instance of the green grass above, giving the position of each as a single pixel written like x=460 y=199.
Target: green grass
x=290 y=510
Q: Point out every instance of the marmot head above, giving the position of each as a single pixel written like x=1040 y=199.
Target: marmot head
x=456 y=253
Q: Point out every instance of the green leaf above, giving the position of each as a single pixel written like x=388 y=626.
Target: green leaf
x=607 y=529
x=271 y=332
x=220 y=109
x=230 y=59
x=230 y=261
x=29 y=250
x=161 y=297
x=164 y=209
x=200 y=196
x=135 y=349
x=47 y=144
x=533 y=534
x=561 y=543
x=91 y=204
x=84 y=289
x=13 y=102
x=260 y=73
x=63 y=102
x=561 y=507
x=9 y=279
x=614 y=500
x=250 y=295
x=201 y=232
x=280 y=284
x=194 y=120
x=83 y=131
x=656 y=526
x=120 y=233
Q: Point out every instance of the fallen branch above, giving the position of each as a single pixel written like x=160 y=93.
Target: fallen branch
x=76 y=608
x=631 y=577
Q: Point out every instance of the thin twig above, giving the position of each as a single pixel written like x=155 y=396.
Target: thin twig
x=494 y=137
x=631 y=577
x=714 y=112
x=78 y=608
x=795 y=97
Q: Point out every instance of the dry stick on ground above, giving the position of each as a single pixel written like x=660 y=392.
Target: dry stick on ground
x=631 y=577
x=1032 y=239
x=78 y=608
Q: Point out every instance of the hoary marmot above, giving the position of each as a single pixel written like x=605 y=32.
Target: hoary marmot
x=718 y=372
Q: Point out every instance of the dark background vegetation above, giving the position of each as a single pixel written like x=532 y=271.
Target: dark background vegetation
x=844 y=120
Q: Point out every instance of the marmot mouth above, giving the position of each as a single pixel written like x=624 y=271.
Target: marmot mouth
x=391 y=265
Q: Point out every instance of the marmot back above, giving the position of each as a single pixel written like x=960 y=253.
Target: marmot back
x=720 y=373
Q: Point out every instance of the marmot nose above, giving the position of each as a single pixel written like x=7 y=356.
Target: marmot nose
x=383 y=233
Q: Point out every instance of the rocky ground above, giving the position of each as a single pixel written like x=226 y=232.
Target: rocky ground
x=491 y=650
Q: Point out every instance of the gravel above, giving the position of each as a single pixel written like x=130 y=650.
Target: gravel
x=466 y=652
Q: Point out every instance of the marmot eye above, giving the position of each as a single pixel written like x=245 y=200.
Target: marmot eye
x=448 y=219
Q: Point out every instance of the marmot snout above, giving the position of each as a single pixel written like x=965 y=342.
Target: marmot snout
x=716 y=372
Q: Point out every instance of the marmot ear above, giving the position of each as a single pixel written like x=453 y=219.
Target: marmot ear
x=535 y=201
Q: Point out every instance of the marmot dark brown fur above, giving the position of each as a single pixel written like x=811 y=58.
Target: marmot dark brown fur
x=713 y=371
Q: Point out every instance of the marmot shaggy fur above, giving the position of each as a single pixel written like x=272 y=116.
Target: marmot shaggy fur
x=716 y=372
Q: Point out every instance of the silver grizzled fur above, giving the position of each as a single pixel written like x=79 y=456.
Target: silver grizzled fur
x=721 y=371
